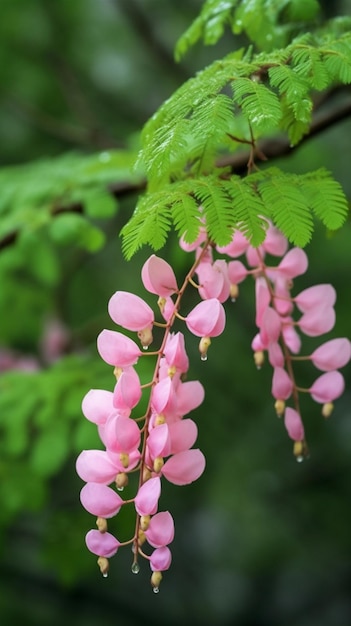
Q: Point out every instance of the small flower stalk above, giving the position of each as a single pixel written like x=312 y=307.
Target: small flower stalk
x=142 y=448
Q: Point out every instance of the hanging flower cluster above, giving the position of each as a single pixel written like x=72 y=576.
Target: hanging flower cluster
x=158 y=444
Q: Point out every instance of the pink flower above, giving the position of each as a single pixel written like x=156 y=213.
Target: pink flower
x=97 y=405
x=127 y=392
x=293 y=264
x=270 y=327
x=146 y=500
x=327 y=387
x=121 y=434
x=160 y=531
x=332 y=355
x=317 y=321
x=185 y=467
x=293 y=424
x=189 y=396
x=130 y=311
x=207 y=319
x=160 y=559
x=238 y=245
x=158 y=277
x=117 y=349
x=101 y=544
x=174 y=352
x=263 y=299
x=164 y=397
x=100 y=500
x=316 y=296
x=237 y=272
x=282 y=385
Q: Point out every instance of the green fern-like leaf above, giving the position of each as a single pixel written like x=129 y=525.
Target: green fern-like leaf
x=285 y=201
x=217 y=208
x=149 y=224
x=248 y=209
x=325 y=197
x=260 y=105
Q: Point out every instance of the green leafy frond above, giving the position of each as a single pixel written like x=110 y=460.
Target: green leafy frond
x=287 y=205
x=259 y=104
x=248 y=209
x=149 y=224
x=325 y=197
x=267 y=23
x=217 y=207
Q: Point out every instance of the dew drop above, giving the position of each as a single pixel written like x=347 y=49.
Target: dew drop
x=299 y=458
x=145 y=347
x=120 y=488
x=135 y=568
x=203 y=358
x=258 y=367
x=155 y=589
x=105 y=575
x=233 y=299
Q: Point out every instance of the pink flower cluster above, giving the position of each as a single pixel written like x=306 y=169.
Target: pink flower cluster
x=276 y=312
x=157 y=444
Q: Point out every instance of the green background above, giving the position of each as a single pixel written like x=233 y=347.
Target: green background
x=260 y=539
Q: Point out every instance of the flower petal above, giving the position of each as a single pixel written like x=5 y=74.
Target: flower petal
x=160 y=531
x=97 y=405
x=130 y=311
x=332 y=354
x=185 y=467
x=293 y=424
x=117 y=349
x=161 y=559
x=100 y=500
x=146 y=500
x=327 y=387
x=207 y=319
x=158 y=277
x=101 y=544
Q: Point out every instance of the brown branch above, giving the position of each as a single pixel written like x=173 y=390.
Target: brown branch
x=269 y=148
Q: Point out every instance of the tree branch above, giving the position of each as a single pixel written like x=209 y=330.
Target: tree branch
x=271 y=148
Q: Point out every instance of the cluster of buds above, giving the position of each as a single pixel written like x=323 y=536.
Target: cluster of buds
x=158 y=444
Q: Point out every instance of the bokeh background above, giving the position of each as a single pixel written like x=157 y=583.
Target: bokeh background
x=260 y=539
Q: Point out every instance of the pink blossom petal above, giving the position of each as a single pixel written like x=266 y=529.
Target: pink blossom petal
x=290 y=336
x=158 y=441
x=317 y=321
x=255 y=256
x=127 y=392
x=183 y=434
x=316 y=296
x=185 y=467
x=282 y=385
x=101 y=544
x=327 y=387
x=117 y=349
x=161 y=530
x=168 y=308
x=257 y=344
x=275 y=355
x=236 y=247
x=189 y=396
x=211 y=281
x=146 y=500
x=263 y=299
x=282 y=300
x=130 y=311
x=190 y=247
x=293 y=424
x=270 y=327
x=175 y=353
x=100 y=500
x=207 y=319
x=275 y=243
x=237 y=272
x=121 y=434
x=332 y=355
x=158 y=277
x=163 y=397
x=97 y=405
x=161 y=559
x=95 y=466
x=133 y=456
x=294 y=263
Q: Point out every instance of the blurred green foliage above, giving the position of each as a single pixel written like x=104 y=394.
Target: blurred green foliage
x=260 y=540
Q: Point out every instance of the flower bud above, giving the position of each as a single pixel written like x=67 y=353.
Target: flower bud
x=158 y=464
x=103 y=565
x=327 y=409
x=233 y=292
x=101 y=524
x=146 y=474
x=259 y=358
x=121 y=480
x=279 y=406
x=124 y=458
x=160 y=419
x=145 y=336
x=204 y=345
x=156 y=578
x=144 y=522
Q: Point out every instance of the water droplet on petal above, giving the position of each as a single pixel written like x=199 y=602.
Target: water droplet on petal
x=145 y=347
x=135 y=568
x=105 y=575
x=233 y=299
x=299 y=458
x=155 y=589
x=203 y=358
x=120 y=488
x=258 y=367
